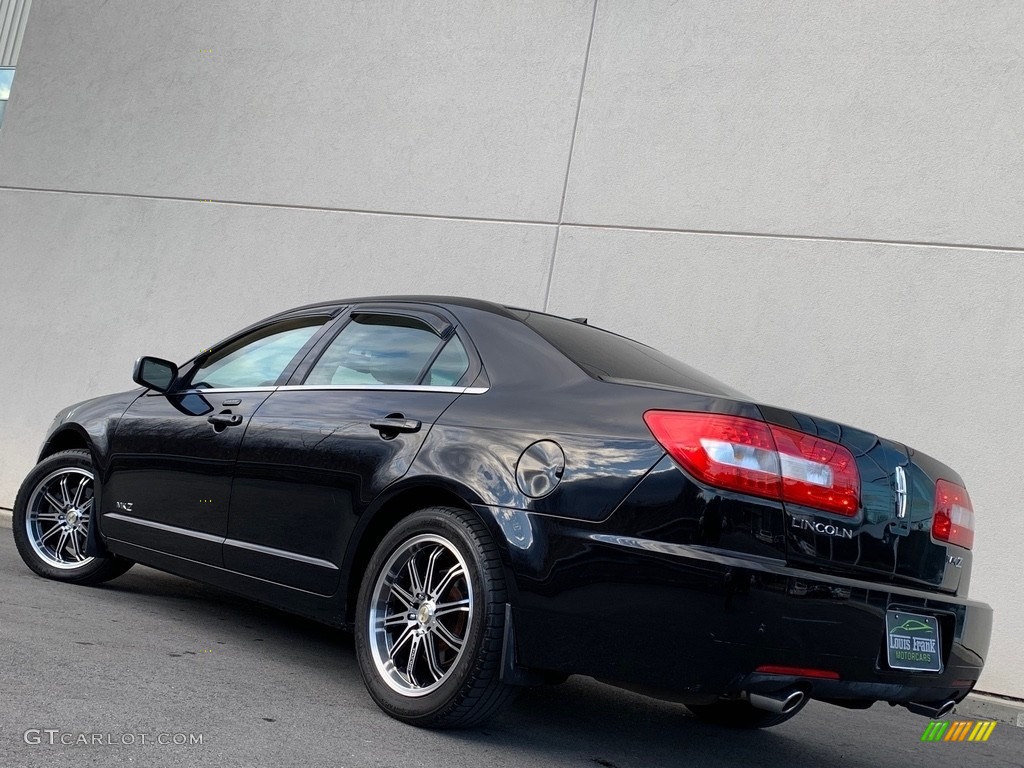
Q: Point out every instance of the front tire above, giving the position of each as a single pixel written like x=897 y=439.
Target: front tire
x=430 y=621
x=52 y=515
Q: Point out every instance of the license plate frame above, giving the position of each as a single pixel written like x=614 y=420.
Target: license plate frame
x=913 y=642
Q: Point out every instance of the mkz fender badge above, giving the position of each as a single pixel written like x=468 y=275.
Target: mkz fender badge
x=806 y=524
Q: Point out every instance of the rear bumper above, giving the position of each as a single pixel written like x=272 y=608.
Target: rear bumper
x=689 y=621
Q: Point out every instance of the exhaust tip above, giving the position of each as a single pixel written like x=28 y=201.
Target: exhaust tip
x=781 y=703
x=934 y=711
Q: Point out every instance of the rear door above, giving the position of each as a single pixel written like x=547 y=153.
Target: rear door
x=319 y=450
x=168 y=482
x=889 y=539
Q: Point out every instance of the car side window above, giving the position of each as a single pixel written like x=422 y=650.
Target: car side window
x=449 y=366
x=376 y=349
x=258 y=358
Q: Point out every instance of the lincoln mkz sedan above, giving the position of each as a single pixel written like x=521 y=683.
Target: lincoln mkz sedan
x=489 y=497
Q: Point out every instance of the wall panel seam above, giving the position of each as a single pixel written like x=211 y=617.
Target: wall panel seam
x=572 y=147
x=558 y=225
x=284 y=206
x=788 y=236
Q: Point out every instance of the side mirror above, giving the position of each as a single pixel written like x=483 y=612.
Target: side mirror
x=155 y=373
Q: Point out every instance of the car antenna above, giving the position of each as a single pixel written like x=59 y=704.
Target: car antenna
x=580 y=320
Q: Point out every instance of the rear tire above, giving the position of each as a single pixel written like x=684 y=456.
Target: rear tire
x=52 y=515
x=430 y=621
x=740 y=714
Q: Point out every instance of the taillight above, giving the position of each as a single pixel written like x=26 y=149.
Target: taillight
x=953 y=520
x=753 y=457
x=817 y=473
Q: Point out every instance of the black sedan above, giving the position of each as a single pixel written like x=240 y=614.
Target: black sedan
x=491 y=497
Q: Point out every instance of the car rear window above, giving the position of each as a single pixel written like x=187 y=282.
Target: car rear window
x=610 y=357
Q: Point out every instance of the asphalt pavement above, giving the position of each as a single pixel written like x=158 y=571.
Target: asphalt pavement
x=143 y=669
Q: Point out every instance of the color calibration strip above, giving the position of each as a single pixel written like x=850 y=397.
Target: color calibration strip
x=958 y=730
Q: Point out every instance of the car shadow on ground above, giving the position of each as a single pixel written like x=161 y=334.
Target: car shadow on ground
x=265 y=687
x=579 y=720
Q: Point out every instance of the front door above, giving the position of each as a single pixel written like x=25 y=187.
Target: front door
x=168 y=483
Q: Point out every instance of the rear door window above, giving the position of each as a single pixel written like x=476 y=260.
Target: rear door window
x=449 y=366
x=377 y=349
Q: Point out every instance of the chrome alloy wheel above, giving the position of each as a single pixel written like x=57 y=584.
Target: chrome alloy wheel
x=58 y=516
x=421 y=611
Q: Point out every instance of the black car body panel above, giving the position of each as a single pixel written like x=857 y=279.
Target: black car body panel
x=623 y=566
x=704 y=577
x=289 y=492
x=879 y=543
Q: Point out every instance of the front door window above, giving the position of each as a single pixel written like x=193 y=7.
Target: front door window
x=257 y=359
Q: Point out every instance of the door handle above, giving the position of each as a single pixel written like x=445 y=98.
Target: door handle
x=395 y=425
x=225 y=419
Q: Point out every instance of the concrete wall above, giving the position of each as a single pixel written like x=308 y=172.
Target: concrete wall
x=818 y=202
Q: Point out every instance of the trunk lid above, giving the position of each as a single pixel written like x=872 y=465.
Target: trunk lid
x=888 y=539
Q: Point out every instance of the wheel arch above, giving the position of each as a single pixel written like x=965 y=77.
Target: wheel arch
x=392 y=507
x=68 y=437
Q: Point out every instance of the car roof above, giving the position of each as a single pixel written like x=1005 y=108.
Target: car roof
x=455 y=301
